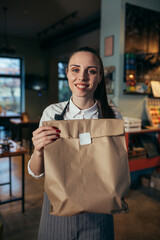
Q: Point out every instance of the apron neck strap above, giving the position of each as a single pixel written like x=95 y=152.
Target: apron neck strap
x=61 y=116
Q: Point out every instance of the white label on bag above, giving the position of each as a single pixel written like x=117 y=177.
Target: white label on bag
x=85 y=138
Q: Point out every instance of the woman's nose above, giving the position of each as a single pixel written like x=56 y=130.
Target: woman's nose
x=83 y=76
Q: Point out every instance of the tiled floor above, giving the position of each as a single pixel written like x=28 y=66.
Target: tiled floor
x=141 y=223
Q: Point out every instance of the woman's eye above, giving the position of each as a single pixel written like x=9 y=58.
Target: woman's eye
x=92 y=71
x=75 y=70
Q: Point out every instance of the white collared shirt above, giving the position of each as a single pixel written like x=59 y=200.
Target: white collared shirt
x=72 y=112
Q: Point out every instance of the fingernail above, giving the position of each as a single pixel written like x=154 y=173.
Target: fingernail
x=58 y=131
x=54 y=127
x=57 y=135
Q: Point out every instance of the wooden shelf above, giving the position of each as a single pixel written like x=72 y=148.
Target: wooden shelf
x=143 y=163
x=139 y=94
x=135 y=93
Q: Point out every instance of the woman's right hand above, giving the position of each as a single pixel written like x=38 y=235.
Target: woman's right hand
x=43 y=136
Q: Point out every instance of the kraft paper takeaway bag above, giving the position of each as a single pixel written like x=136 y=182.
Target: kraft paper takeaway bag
x=86 y=169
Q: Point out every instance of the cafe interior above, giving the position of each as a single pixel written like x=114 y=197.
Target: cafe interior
x=36 y=40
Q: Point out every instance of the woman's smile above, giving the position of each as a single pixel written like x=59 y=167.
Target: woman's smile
x=82 y=86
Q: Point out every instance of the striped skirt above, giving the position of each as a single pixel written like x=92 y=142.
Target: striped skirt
x=83 y=226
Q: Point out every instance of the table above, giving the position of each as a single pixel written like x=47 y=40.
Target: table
x=17 y=126
x=4 y=120
x=15 y=152
x=7 y=115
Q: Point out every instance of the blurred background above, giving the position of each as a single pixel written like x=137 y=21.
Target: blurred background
x=36 y=39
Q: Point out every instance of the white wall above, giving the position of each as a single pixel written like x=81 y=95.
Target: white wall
x=113 y=23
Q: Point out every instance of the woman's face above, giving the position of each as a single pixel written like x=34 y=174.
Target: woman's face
x=83 y=74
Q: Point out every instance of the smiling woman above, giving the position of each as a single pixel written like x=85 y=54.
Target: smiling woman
x=88 y=101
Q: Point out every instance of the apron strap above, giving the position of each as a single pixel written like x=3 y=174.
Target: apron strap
x=99 y=112
x=61 y=116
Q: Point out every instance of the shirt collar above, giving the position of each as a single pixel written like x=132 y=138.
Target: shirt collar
x=74 y=110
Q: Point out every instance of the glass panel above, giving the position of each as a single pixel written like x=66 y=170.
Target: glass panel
x=62 y=70
x=10 y=94
x=64 y=92
x=10 y=66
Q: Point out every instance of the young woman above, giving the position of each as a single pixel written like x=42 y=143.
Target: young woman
x=89 y=101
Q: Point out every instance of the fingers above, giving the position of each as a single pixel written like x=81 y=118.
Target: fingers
x=40 y=145
x=45 y=135
x=45 y=132
x=45 y=128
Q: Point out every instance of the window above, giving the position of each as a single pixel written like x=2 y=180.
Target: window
x=64 y=92
x=11 y=84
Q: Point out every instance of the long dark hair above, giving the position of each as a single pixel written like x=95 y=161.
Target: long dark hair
x=100 y=93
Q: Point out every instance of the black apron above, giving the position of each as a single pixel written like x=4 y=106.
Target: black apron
x=83 y=226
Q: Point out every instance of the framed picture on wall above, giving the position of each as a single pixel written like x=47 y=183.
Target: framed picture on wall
x=109 y=44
